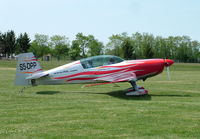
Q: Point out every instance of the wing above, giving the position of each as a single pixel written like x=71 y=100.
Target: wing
x=118 y=77
x=115 y=77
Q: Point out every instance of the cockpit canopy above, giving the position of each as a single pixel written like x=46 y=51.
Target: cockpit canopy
x=101 y=60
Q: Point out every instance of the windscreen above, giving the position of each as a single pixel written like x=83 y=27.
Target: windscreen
x=102 y=60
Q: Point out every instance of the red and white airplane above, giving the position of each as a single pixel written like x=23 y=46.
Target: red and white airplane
x=95 y=70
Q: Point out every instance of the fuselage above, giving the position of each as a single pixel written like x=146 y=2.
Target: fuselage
x=77 y=72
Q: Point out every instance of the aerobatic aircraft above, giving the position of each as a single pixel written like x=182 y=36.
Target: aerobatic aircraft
x=96 y=70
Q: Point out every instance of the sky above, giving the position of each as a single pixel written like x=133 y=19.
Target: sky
x=101 y=18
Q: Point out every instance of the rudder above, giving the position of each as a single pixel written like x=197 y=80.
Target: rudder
x=26 y=66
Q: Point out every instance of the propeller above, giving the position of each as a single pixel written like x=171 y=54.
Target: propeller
x=168 y=73
x=168 y=62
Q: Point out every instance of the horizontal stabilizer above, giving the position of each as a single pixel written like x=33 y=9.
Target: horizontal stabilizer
x=37 y=75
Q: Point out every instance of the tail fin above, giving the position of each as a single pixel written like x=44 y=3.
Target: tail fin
x=27 y=65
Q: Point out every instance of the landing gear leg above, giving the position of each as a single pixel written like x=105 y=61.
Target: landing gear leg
x=136 y=90
x=134 y=85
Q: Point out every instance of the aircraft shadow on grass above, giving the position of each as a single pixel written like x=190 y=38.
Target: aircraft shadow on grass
x=121 y=95
x=118 y=94
x=47 y=92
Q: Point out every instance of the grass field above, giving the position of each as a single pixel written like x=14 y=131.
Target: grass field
x=171 y=110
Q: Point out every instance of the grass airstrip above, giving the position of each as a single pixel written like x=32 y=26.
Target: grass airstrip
x=171 y=110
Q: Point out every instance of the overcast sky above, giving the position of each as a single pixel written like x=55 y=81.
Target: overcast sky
x=101 y=18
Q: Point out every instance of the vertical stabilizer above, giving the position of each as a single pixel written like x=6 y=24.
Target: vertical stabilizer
x=27 y=65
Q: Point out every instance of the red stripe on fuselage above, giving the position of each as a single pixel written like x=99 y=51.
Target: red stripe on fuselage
x=122 y=66
x=89 y=73
x=82 y=79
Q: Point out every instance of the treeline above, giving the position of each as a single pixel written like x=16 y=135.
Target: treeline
x=135 y=46
x=138 y=46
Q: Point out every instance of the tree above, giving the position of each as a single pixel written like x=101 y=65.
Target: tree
x=75 y=50
x=2 y=45
x=60 y=46
x=183 y=51
x=36 y=49
x=128 y=48
x=85 y=46
x=114 y=46
x=8 y=43
x=159 y=43
x=40 y=46
x=122 y=45
x=42 y=40
x=82 y=41
x=195 y=46
x=147 y=45
x=137 y=39
x=23 y=43
x=94 y=46
x=171 y=46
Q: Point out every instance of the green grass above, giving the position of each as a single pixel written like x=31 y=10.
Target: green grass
x=171 y=110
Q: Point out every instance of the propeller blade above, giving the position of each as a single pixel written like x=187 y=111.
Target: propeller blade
x=168 y=63
x=168 y=73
